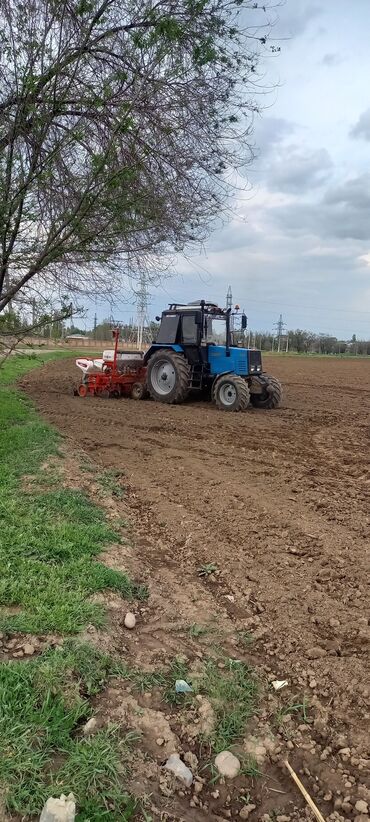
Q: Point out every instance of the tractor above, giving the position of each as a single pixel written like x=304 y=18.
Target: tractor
x=195 y=351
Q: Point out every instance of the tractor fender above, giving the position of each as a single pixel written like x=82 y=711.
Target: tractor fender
x=156 y=347
x=222 y=374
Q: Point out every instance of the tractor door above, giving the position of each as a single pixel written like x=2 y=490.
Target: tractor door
x=168 y=333
x=191 y=336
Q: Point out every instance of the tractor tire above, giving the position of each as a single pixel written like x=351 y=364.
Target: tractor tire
x=168 y=377
x=271 y=396
x=231 y=393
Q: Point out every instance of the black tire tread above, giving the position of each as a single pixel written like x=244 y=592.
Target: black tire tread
x=274 y=397
x=242 y=389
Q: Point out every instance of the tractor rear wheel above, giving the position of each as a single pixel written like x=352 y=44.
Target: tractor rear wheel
x=168 y=376
x=271 y=395
x=231 y=393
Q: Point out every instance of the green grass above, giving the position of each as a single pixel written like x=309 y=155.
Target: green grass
x=17 y=365
x=233 y=694
x=110 y=482
x=196 y=631
x=49 y=538
x=43 y=703
x=299 y=709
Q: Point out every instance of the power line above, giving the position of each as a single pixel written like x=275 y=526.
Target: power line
x=280 y=326
x=142 y=301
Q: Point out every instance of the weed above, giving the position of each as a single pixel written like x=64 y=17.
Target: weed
x=207 y=569
x=232 y=693
x=196 y=631
x=109 y=481
x=249 y=767
x=299 y=708
x=245 y=638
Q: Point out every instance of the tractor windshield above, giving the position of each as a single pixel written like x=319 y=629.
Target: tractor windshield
x=216 y=330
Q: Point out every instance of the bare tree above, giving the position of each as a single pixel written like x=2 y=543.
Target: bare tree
x=120 y=124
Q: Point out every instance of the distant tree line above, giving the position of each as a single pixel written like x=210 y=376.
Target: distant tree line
x=307 y=342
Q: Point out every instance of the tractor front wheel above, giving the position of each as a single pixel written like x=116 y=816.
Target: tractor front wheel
x=231 y=393
x=168 y=377
x=271 y=394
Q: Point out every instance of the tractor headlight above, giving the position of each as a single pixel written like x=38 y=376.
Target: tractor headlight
x=259 y=368
x=252 y=368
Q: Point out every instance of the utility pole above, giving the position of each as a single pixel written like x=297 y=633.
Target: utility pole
x=229 y=298
x=279 y=326
x=142 y=310
x=95 y=324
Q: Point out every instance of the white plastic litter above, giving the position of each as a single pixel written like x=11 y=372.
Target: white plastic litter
x=179 y=769
x=278 y=684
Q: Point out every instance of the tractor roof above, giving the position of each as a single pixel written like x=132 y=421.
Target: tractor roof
x=212 y=307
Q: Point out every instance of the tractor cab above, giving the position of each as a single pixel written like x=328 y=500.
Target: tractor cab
x=200 y=346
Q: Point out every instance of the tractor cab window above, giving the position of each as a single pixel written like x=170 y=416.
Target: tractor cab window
x=216 y=330
x=167 y=334
x=190 y=330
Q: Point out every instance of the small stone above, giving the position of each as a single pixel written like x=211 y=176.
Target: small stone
x=179 y=769
x=245 y=812
x=282 y=818
x=361 y=806
x=130 y=620
x=316 y=653
x=215 y=794
x=29 y=649
x=59 y=810
x=198 y=787
x=313 y=683
x=344 y=752
x=90 y=727
x=191 y=760
x=159 y=741
x=227 y=764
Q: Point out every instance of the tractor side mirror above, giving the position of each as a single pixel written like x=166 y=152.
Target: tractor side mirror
x=157 y=319
x=244 y=322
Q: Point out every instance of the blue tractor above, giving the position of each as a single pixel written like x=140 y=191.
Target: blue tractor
x=195 y=351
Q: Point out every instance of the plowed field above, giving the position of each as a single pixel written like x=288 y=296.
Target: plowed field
x=278 y=500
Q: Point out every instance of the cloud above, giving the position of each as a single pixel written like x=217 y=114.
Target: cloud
x=342 y=213
x=354 y=193
x=361 y=130
x=296 y=171
x=269 y=132
x=293 y=23
x=332 y=59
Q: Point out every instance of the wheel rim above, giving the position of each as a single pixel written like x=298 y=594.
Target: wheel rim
x=227 y=393
x=163 y=377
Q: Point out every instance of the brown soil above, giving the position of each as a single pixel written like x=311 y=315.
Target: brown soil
x=279 y=501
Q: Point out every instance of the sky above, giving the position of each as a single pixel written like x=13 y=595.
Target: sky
x=298 y=243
